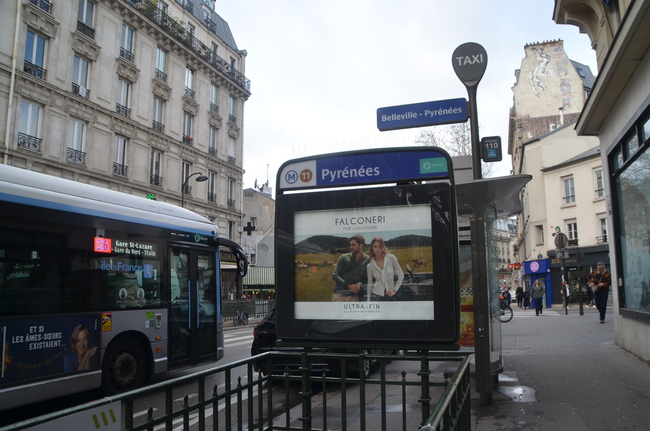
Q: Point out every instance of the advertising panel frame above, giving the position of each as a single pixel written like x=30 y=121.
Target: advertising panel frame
x=413 y=211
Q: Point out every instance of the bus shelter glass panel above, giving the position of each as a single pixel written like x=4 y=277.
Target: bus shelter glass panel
x=496 y=357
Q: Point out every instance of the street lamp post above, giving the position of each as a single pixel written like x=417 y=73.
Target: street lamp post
x=199 y=179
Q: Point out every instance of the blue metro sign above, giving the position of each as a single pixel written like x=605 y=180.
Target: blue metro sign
x=422 y=114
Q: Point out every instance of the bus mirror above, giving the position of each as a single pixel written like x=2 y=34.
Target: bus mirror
x=242 y=259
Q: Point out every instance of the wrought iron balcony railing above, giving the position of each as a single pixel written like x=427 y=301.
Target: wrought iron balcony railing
x=29 y=142
x=187 y=140
x=35 y=70
x=119 y=169
x=80 y=91
x=84 y=29
x=126 y=54
x=43 y=4
x=161 y=75
x=231 y=203
x=212 y=197
x=232 y=118
x=231 y=160
x=123 y=110
x=187 y=190
x=178 y=32
x=189 y=92
x=214 y=107
x=158 y=127
x=76 y=156
x=601 y=239
x=212 y=151
x=155 y=180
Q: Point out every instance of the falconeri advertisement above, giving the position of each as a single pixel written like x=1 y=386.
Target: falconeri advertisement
x=371 y=263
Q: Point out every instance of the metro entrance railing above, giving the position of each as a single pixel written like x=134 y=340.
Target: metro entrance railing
x=410 y=391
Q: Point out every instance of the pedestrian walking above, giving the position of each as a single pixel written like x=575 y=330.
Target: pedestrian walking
x=519 y=294
x=538 y=294
x=600 y=280
x=527 y=299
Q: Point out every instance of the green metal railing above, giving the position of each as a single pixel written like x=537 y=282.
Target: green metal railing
x=315 y=391
x=255 y=309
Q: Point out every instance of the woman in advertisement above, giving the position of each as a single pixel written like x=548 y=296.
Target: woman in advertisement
x=80 y=357
x=385 y=276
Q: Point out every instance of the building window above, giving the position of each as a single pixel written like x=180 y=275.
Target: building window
x=80 y=77
x=231 y=151
x=539 y=234
x=35 y=55
x=76 y=140
x=161 y=64
x=231 y=230
x=85 y=18
x=569 y=190
x=572 y=231
x=189 y=82
x=212 y=141
x=126 y=44
x=186 y=188
x=187 y=128
x=122 y=104
x=212 y=187
x=29 y=126
x=231 y=193
x=156 y=168
x=232 y=109
x=157 y=123
x=602 y=228
x=214 y=98
x=119 y=156
x=599 y=183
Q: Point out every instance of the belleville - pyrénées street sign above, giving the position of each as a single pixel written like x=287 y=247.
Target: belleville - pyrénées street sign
x=422 y=114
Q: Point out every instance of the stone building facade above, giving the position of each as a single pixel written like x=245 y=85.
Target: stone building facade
x=130 y=95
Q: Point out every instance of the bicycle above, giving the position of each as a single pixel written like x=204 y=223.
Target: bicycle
x=505 y=311
x=241 y=318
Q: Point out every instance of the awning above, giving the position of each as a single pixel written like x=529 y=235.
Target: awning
x=260 y=276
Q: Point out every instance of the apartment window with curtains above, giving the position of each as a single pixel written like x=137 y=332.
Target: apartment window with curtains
x=231 y=193
x=119 y=156
x=212 y=187
x=599 y=183
x=29 y=126
x=76 y=141
x=214 y=98
x=35 y=55
x=212 y=141
x=126 y=45
x=186 y=188
x=189 y=82
x=161 y=64
x=187 y=128
x=157 y=122
x=122 y=103
x=80 y=77
x=232 y=110
x=569 y=190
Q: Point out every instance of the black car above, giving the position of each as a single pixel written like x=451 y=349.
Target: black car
x=265 y=339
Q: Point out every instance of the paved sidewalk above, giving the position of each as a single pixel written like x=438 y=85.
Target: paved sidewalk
x=565 y=372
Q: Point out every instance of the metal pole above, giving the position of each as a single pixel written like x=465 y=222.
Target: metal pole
x=476 y=145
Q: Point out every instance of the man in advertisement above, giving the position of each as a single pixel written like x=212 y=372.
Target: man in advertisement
x=350 y=273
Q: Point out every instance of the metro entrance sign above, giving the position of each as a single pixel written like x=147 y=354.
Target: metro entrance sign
x=422 y=114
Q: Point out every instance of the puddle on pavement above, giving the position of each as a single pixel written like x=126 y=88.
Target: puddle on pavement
x=520 y=394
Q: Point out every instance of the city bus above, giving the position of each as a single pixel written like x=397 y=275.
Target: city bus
x=101 y=289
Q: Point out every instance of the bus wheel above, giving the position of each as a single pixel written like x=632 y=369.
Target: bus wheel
x=124 y=367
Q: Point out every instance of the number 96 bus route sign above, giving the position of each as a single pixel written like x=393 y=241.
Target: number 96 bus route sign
x=362 y=167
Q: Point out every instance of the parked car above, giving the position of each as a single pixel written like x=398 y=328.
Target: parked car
x=265 y=339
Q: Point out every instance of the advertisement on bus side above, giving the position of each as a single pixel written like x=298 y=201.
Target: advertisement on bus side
x=46 y=347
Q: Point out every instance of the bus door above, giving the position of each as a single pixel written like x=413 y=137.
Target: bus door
x=193 y=306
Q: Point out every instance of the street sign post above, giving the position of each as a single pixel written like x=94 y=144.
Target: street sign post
x=422 y=114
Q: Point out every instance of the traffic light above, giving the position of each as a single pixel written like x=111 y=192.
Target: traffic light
x=491 y=149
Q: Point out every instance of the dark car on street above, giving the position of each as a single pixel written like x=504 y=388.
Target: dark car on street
x=265 y=339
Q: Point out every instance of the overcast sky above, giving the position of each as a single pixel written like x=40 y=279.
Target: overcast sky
x=320 y=69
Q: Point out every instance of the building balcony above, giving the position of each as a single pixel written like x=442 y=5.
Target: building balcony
x=119 y=169
x=212 y=151
x=189 y=92
x=601 y=239
x=212 y=197
x=161 y=75
x=187 y=140
x=123 y=110
x=231 y=160
x=232 y=118
x=76 y=156
x=158 y=127
x=35 y=70
x=231 y=203
x=573 y=242
x=187 y=190
x=178 y=32
x=27 y=142
x=155 y=180
x=80 y=91
x=126 y=54
x=85 y=30
x=43 y=4
x=214 y=107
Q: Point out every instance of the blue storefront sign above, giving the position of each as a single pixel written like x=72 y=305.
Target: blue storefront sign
x=536 y=266
x=406 y=164
x=422 y=114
